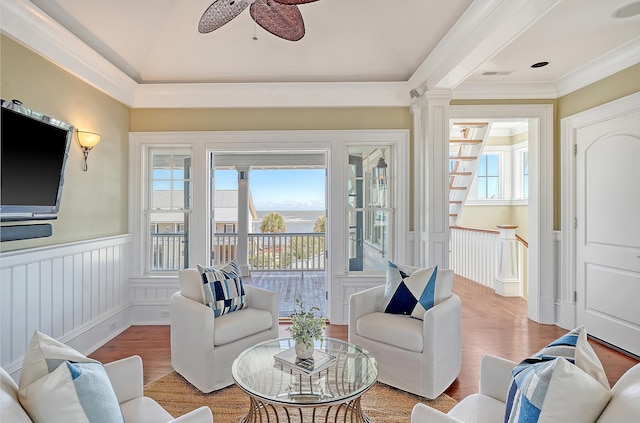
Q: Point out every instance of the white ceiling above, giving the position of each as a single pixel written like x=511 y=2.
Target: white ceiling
x=374 y=50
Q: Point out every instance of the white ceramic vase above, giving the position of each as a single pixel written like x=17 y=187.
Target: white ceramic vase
x=303 y=351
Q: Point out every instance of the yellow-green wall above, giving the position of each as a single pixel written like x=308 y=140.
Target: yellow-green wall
x=94 y=203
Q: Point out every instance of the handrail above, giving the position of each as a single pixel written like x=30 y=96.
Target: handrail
x=464 y=228
x=490 y=231
x=525 y=243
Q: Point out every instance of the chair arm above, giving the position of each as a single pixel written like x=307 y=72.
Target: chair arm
x=495 y=375
x=424 y=414
x=365 y=302
x=192 y=331
x=199 y=415
x=126 y=378
x=263 y=299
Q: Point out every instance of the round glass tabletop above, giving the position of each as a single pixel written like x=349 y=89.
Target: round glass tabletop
x=280 y=381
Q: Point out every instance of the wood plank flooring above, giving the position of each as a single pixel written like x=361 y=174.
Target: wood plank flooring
x=490 y=325
x=308 y=286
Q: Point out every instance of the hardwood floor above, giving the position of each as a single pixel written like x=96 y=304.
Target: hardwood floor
x=490 y=325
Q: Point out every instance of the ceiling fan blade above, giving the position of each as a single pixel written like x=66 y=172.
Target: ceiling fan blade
x=220 y=12
x=294 y=1
x=284 y=21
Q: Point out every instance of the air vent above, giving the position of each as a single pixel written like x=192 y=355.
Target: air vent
x=497 y=73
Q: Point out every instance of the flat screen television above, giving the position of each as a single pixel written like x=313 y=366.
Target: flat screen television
x=33 y=157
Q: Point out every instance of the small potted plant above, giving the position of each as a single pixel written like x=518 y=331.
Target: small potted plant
x=305 y=327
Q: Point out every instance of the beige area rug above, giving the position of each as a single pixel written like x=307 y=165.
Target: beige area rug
x=381 y=403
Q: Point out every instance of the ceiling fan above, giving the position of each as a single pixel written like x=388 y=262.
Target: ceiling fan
x=282 y=18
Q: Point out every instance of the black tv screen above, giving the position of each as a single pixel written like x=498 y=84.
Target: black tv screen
x=34 y=153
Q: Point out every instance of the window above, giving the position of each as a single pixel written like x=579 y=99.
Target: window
x=369 y=209
x=488 y=177
x=168 y=209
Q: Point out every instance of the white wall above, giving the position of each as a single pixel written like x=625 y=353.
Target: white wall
x=77 y=293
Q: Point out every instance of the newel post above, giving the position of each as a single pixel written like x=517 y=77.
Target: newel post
x=507 y=282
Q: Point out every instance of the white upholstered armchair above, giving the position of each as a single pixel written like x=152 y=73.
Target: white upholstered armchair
x=418 y=356
x=203 y=347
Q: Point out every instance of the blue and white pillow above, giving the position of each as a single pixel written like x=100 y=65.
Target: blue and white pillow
x=563 y=382
x=412 y=291
x=44 y=354
x=73 y=392
x=223 y=288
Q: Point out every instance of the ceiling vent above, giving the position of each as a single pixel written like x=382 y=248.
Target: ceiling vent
x=497 y=73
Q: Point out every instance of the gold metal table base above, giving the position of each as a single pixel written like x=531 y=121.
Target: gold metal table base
x=261 y=412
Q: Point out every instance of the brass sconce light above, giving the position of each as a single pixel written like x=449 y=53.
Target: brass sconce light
x=87 y=140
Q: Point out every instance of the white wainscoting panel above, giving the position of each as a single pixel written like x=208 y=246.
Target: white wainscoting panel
x=76 y=292
x=150 y=299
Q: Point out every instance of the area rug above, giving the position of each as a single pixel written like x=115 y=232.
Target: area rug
x=382 y=403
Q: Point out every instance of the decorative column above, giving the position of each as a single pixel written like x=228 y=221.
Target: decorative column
x=507 y=282
x=242 y=230
x=431 y=166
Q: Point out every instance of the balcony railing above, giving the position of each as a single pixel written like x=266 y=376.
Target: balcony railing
x=266 y=252
x=167 y=251
x=274 y=251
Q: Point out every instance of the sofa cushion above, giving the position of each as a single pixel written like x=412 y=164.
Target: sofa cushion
x=241 y=324
x=144 y=409
x=223 y=288
x=44 y=354
x=10 y=408
x=73 y=392
x=397 y=330
x=477 y=408
x=556 y=391
x=412 y=291
x=624 y=405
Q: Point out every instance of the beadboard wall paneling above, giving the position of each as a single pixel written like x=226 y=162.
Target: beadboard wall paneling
x=76 y=292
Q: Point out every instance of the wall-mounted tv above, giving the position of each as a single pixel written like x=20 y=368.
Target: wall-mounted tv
x=34 y=154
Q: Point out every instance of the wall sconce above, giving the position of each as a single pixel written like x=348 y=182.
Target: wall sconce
x=380 y=172
x=87 y=140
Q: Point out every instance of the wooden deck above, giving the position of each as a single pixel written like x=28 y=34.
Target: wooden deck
x=308 y=286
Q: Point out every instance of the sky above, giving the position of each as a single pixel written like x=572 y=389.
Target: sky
x=287 y=189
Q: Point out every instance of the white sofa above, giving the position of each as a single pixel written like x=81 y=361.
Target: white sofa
x=488 y=406
x=203 y=347
x=126 y=378
x=419 y=356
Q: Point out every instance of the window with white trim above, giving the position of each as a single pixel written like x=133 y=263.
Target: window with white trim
x=167 y=209
x=488 y=177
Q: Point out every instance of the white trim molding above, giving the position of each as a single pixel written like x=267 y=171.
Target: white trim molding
x=30 y=26
x=569 y=128
x=541 y=296
x=148 y=297
x=76 y=292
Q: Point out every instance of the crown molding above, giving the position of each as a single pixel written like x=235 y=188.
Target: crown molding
x=505 y=91
x=234 y=95
x=22 y=21
x=616 y=60
x=27 y=24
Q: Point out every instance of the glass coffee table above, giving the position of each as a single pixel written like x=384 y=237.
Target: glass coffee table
x=279 y=392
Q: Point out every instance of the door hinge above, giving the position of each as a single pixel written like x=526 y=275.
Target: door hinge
x=575 y=296
x=326 y=254
x=326 y=295
x=575 y=222
x=575 y=149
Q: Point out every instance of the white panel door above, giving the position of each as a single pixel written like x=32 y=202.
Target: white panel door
x=608 y=230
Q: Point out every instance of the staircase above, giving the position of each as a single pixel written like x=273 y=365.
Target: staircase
x=466 y=143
